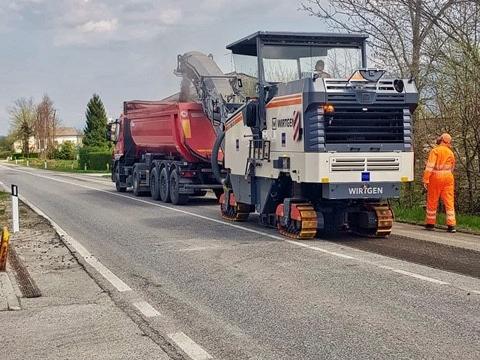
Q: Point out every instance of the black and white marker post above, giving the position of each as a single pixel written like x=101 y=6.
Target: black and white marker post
x=15 y=220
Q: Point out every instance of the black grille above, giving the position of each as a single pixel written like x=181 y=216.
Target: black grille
x=357 y=125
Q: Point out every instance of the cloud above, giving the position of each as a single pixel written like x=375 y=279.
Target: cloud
x=95 y=23
x=101 y=26
x=122 y=49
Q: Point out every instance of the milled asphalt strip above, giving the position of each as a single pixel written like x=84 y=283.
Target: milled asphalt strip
x=190 y=347
x=315 y=248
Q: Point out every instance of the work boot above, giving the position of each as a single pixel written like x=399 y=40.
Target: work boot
x=451 y=229
x=429 y=227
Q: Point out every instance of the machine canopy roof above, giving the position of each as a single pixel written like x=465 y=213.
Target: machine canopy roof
x=248 y=45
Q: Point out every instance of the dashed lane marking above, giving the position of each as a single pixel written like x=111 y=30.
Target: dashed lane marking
x=262 y=233
x=315 y=248
x=421 y=277
x=190 y=347
x=146 y=309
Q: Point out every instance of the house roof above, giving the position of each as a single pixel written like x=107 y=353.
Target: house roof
x=67 y=131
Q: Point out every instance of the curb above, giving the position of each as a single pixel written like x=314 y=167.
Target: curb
x=442 y=227
x=7 y=288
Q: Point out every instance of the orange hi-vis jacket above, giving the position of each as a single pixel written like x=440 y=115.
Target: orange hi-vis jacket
x=441 y=183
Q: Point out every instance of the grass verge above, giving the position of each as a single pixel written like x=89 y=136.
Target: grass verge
x=57 y=165
x=416 y=215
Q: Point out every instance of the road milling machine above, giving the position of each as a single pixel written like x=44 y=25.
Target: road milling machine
x=320 y=143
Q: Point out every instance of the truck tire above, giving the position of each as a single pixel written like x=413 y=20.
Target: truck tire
x=164 y=186
x=175 y=196
x=136 y=184
x=118 y=184
x=155 y=184
x=218 y=193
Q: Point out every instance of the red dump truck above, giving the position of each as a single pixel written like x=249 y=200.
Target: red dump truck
x=163 y=148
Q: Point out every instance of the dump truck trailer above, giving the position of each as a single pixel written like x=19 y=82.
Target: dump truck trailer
x=164 y=149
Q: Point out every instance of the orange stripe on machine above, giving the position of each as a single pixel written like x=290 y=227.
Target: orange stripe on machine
x=233 y=121
x=289 y=100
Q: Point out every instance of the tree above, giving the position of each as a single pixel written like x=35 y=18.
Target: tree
x=22 y=122
x=437 y=42
x=96 y=125
x=399 y=30
x=46 y=124
x=6 y=143
x=67 y=151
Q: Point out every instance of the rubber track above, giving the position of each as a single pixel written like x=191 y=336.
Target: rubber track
x=241 y=213
x=385 y=219
x=308 y=224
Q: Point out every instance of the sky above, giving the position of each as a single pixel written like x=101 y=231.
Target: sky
x=121 y=49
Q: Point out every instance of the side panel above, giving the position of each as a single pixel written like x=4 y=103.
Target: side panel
x=237 y=140
x=243 y=188
x=284 y=116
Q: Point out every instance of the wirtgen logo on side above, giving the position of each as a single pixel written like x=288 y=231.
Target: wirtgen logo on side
x=366 y=190
x=282 y=123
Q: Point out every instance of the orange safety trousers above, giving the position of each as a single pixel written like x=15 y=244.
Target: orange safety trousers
x=441 y=186
x=440 y=183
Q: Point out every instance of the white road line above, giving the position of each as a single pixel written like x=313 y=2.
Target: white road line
x=320 y=249
x=421 y=277
x=257 y=232
x=296 y=243
x=190 y=347
x=80 y=249
x=146 y=309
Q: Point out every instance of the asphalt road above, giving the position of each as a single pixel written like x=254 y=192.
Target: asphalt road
x=241 y=292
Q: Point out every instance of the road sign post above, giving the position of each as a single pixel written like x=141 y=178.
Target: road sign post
x=15 y=219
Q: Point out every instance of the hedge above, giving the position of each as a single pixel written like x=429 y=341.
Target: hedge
x=95 y=160
x=23 y=156
x=4 y=154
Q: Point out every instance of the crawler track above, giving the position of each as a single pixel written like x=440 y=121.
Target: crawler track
x=304 y=228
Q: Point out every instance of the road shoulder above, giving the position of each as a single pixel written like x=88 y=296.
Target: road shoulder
x=74 y=317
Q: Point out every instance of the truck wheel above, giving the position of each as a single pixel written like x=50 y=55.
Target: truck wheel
x=218 y=193
x=118 y=184
x=136 y=184
x=164 y=186
x=155 y=184
x=175 y=196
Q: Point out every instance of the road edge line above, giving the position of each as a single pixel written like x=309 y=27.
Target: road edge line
x=190 y=347
x=79 y=249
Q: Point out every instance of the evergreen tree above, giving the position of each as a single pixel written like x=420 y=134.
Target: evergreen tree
x=96 y=124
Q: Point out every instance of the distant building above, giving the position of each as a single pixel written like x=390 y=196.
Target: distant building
x=62 y=134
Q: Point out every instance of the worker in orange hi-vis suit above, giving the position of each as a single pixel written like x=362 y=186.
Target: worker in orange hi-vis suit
x=439 y=182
